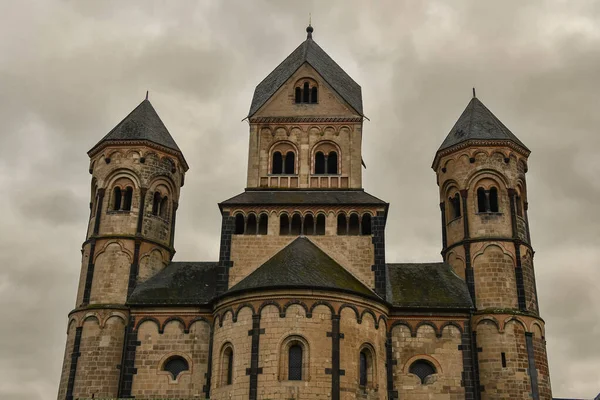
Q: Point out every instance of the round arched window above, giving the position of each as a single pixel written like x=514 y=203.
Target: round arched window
x=176 y=365
x=422 y=369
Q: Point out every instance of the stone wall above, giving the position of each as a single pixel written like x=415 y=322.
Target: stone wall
x=495 y=282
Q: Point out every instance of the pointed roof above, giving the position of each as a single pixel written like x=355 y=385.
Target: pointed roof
x=309 y=52
x=143 y=123
x=478 y=123
x=301 y=264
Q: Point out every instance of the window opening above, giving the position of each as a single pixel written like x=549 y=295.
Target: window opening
x=354 y=225
x=290 y=163
x=366 y=225
x=155 y=203
x=263 y=224
x=228 y=366
x=239 y=224
x=251 y=225
x=313 y=95
x=319 y=163
x=305 y=93
x=481 y=200
x=363 y=369
x=284 y=224
x=320 y=228
x=455 y=206
x=493 y=200
x=295 y=363
x=519 y=206
x=503 y=360
x=342 y=227
x=422 y=369
x=298 y=97
x=296 y=228
x=163 y=207
x=309 y=225
x=277 y=163
x=175 y=366
x=128 y=199
x=332 y=163
x=117 y=199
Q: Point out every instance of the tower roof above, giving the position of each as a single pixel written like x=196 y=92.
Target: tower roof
x=143 y=123
x=309 y=52
x=478 y=123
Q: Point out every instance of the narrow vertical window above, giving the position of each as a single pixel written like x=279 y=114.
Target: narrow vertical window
x=230 y=367
x=519 y=206
x=319 y=163
x=239 y=224
x=263 y=224
x=296 y=227
x=164 y=206
x=342 y=227
x=227 y=367
x=155 y=203
x=313 y=95
x=298 y=95
x=295 y=363
x=277 y=167
x=284 y=224
x=503 y=360
x=332 y=163
x=481 y=200
x=117 y=198
x=305 y=93
x=251 y=225
x=309 y=225
x=290 y=163
x=366 y=225
x=320 y=228
x=354 y=225
x=128 y=199
x=493 y=199
x=363 y=369
x=455 y=206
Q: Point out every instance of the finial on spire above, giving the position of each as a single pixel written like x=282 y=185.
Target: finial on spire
x=309 y=28
x=146 y=95
x=474 y=95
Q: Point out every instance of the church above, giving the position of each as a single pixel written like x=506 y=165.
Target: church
x=301 y=302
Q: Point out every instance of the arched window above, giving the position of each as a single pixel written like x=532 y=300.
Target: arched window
x=305 y=93
x=164 y=207
x=332 y=163
x=366 y=377
x=251 y=225
x=454 y=206
x=176 y=365
x=128 y=199
x=284 y=224
x=239 y=224
x=422 y=369
x=263 y=224
x=227 y=366
x=313 y=95
x=290 y=163
x=117 y=198
x=295 y=363
x=320 y=228
x=342 y=226
x=363 y=369
x=298 y=96
x=354 y=226
x=493 y=200
x=481 y=200
x=319 y=163
x=155 y=203
x=296 y=227
x=519 y=206
x=309 y=225
x=366 y=225
x=277 y=163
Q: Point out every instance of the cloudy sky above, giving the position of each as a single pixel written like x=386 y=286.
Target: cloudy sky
x=71 y=70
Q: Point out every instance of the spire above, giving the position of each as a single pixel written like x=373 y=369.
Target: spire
x=474 y=95
x=309 y=31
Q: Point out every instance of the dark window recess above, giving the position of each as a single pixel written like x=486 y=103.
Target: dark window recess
x=284 y=224
x=319 y=163
x=519 y=206
x=313 y=95
x=175 y=366
x=155 y=203
x=320 y=229
x=290 y=163
x=163 y=207
x=309 y=225
x=422 y=369
x=503 y=360
x=251 y=225
x=455 y=206
x=305 y=93
x=493 y=200
x=277 y=163
x=366 y=225
x=342 y=227
x=117 y=198
x=354 y=225
x=363 y=369
x=332 y=163
x=481 y=200
x=298 y=96
x=239 y=224
x=229 y=361
x=263 y=224
x=487 y=200
x=296 y=228
x=128 y=199
x=295 y=363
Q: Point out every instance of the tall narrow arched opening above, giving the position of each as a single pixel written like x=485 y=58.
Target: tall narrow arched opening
x=284 y=224
x=296 y=227
x=332 y=163
x=494 y=200
x=319 y=163
x=295 y=363
x=227 y=366
x=354 y=225
x=481 y=200
x=305 y=93
x=365 y=225
x=313 y=95
x=298 y=95
x=117 y=201
x=309 y=225
x=263 y=224
x=277 y=167
x=164 y=207
x=128 y=199
x=251 y=225
x=290 y=163
x=455 y=206
x=320 y=226
x=155 y=203
x=240 y=224
x=366 y=365
x=342 y=226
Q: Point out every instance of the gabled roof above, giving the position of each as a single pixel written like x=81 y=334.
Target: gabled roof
x=313 y=197
x=301 y=264
x=143 y=123
x=478 y=123
x=179 y=283
x=309 y=52
x=430 y=285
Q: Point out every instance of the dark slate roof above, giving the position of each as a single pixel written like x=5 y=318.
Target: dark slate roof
x=143 y=123
x=431 y=285
x=322 y=197
x=180 y=283
x=302 y=264
x=310 y=52
x=477 y=122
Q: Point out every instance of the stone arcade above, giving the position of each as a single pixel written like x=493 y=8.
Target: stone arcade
x=301 y=303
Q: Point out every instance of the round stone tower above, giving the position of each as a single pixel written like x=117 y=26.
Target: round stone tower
x=137 y=171
x=481 y=169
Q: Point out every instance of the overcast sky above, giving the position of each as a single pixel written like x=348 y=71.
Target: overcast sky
x=71 y=70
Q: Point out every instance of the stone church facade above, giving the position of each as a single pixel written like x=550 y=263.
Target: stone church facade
x=302 y=303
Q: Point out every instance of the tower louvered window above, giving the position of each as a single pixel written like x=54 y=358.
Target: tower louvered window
x=306 y=94
x=295 y=363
